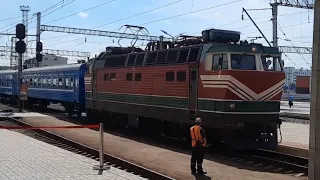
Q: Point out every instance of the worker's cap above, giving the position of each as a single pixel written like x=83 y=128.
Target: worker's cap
x=198 y=120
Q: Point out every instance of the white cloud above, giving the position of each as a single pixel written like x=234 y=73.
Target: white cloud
x=83 y=14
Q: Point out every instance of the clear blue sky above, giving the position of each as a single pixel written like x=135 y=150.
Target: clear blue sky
x=296 y=23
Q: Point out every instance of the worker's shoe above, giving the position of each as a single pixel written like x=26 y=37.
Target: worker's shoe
x=202 y=173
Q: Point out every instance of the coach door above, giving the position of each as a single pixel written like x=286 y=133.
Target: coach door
x=193 y=89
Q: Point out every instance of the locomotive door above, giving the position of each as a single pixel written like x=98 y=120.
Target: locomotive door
x=193 y=90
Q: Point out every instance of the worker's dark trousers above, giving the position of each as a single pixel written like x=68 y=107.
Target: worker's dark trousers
x=197 y=159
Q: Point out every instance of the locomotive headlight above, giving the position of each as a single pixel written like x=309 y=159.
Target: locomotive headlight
x=254 y=49
x=232 y=106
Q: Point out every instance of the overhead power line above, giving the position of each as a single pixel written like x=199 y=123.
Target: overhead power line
x=200 y=10
x=293 y=45
x=192 y=12
x=99 y=5
x=128 y=17
x=9 y=18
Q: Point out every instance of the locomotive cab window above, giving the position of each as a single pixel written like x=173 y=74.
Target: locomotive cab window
x=219 y=61
x=243 y=62
x=270 y=63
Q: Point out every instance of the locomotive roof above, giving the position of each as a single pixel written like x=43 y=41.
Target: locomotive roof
x=68 y=67
x=245 y=48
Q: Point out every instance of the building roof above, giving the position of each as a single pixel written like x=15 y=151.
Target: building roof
x=68 y=67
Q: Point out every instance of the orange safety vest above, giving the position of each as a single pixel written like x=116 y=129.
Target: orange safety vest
x=196 y=136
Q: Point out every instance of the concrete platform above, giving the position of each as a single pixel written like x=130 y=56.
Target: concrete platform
x=301 y=109
x=167 y=160
x=295 y=139
x=23 y=157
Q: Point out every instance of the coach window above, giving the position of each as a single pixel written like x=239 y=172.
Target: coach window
x=35 y=82
x=181 y=76
x=67 y=83
x=219 y=61
x=169 y=76
x=77 y=82
x=112 y=76
x=45 y=82
x=106 y=77
x=54 y=82
x=137 y=77
x=60 y=82
x=129 y=76
x=71 y=82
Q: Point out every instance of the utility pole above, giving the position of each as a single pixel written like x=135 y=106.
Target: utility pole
x=38 y=34
x=314 y=139
x=274 y=24
x=25 y=11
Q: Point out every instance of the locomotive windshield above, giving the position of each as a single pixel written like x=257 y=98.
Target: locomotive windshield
x=243 y=62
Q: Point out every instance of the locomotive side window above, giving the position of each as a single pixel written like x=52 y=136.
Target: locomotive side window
x=161 y=58
x=181 y=76
x=194 y=52
x=169 y=76
x=183 y=55
x=151 y=58
x=106 y=77
x=129 y=76
x=243 y=62
x=137 y=77
x=131 y=60
x=139 y=60
x=172 y=56
x=112 y=76
x=217 y=60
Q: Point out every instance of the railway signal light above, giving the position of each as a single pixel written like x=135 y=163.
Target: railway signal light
x=20 y=47
x=20 y=31
x=39 y=57
x=39 y=47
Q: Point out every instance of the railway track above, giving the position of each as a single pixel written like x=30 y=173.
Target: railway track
x=278 y=161
x=84 y=150
x=265 y=159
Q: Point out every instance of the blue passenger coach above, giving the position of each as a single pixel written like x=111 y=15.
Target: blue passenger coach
x=8 y=84
x=57 y=84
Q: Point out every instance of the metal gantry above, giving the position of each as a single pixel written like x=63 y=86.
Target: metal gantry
x=93 y=32
x=305 y=4
x=51 y=51
x=293 y=49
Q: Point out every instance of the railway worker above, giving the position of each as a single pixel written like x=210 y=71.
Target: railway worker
x=198 y=137
x=290 y=100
